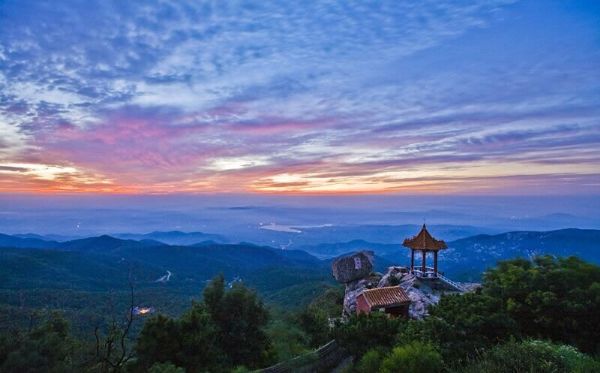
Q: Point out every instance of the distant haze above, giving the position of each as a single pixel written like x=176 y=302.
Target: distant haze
x=243 y=216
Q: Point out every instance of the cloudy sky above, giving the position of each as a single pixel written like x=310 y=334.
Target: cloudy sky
x=459 y=97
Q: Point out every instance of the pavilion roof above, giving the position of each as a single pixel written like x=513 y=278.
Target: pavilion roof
x=424 y=241
x=385 y=296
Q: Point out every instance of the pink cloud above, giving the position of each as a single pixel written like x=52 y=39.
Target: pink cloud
x=276 y=126
x=139 y=147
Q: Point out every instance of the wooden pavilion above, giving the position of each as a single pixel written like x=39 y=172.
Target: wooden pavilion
x=424 y=243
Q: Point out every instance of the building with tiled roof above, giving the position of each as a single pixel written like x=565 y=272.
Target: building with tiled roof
x=392 y=300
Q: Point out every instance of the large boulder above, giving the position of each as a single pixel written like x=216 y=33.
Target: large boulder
x=352 y=267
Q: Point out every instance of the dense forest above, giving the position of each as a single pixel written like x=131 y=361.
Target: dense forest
x=537 y=315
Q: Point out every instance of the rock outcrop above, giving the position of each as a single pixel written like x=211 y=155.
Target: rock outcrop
x=394 y=276
x=352 y=267
x=420 y=293
x=421 y=299
x=356 y=272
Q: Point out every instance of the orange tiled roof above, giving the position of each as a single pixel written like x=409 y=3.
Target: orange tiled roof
x=386 y=296
x=424 y=241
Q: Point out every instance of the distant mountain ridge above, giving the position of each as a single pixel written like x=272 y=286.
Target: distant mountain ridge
x=331 y=250
x=487 y=249
x=470 y=256
x=562 y=242
x=26 y=242
x=106 y=243
x=175 y=237
x=47 y=237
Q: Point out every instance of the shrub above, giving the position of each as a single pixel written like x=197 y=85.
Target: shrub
x=370 y=362
x=413 y=357
x=533 y=356
x=287 y=339
x=223 y=332
x=362 y=332
x=165 y=368
x=48 y=345
x=550 y=298
x=461 y=325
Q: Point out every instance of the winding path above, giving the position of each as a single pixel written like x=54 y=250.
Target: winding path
x=165 y=278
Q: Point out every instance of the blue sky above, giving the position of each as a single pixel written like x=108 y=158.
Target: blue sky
x=461 y=97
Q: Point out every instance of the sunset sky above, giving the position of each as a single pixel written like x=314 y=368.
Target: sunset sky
x=459 y=97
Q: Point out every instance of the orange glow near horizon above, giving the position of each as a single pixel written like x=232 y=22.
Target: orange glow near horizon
x=478 y=178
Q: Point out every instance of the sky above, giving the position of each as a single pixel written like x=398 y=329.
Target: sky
x=309 y=97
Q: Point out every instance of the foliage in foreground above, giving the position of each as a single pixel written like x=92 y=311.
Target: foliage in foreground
x=551 y=298
x=462 y=325
x=500 y=328
x=224 y=331
x=547 y=298
x=413 y=357
x=533 y=356
x=47 y=345
x=314 y=319
x=363 y=332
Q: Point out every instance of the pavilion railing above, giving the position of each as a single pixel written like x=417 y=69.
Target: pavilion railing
x=454 y=284
x=429 y=272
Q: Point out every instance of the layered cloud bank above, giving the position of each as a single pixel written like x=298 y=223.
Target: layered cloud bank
x=317 y=97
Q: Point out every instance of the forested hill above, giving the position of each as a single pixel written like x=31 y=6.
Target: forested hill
x=477 y=253
x=584 y=243
x=23 y=264
x=465 y=258
x=78 y=276
x=27 y=242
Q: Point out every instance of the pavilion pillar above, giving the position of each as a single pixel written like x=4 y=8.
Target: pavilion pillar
x=435 y=267
x=424 y=262
x=412 y=260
